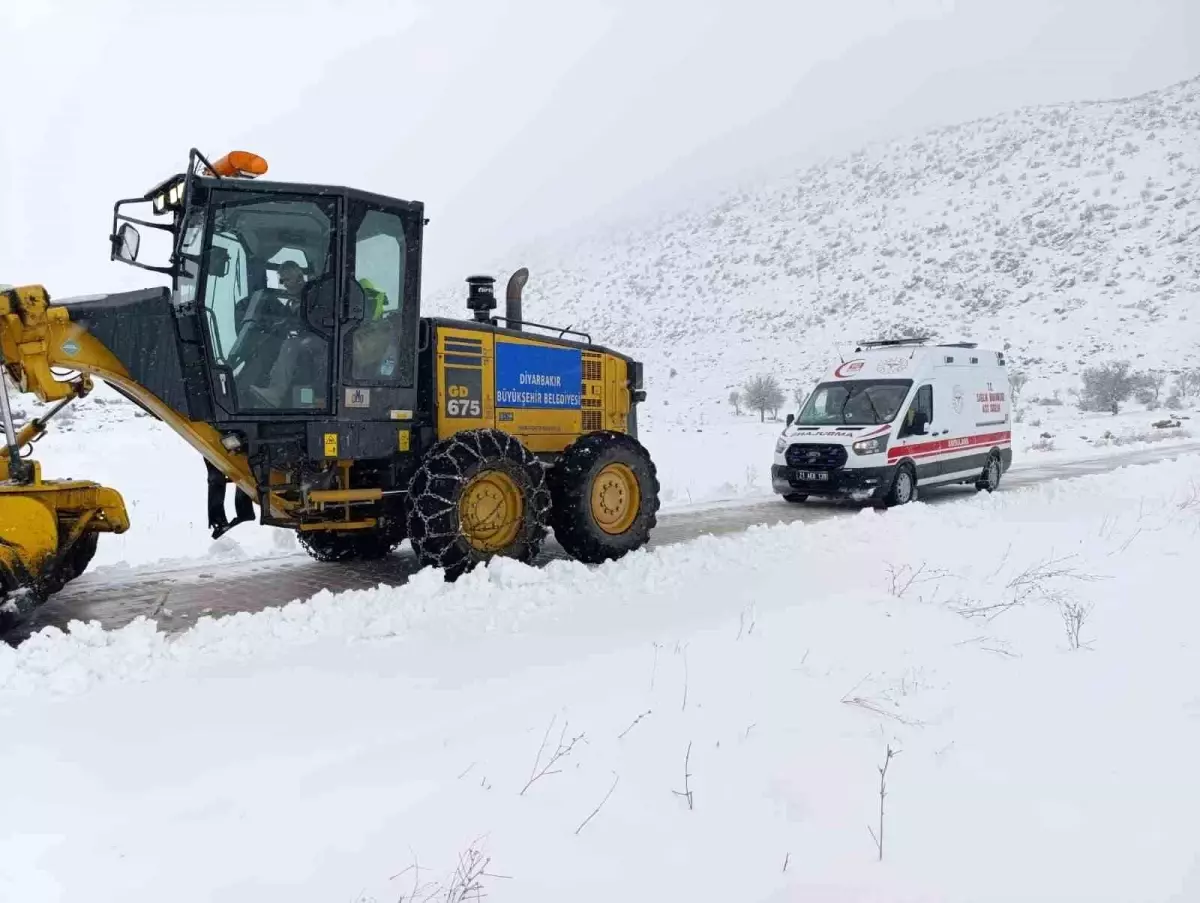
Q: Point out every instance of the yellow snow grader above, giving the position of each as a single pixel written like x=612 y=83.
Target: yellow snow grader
x=290 y=352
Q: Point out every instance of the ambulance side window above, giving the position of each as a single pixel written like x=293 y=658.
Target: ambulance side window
x=923 y=403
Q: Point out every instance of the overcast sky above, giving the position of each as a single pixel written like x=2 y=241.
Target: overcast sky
x=512 y=120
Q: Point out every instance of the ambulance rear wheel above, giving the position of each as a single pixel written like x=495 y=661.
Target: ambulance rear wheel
x=904 y=487
x=990 y=479
x=796 y=498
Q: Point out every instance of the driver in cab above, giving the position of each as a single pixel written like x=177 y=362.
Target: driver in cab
x=297 y=342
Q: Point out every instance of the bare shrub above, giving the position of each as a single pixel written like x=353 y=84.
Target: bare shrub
x=1074 y=615
x=463 y=885
x=903 y=578
x=1016 y=384
x=1106 y=387
x=1041 y=581
x=1147 y=388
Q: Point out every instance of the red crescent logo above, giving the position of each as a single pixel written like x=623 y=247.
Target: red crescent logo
x=849 y=368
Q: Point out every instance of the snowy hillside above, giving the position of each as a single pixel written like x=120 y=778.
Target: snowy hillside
x=1066 y=233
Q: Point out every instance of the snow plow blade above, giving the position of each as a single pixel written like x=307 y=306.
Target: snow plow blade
x=48 y=534
x=48 y=528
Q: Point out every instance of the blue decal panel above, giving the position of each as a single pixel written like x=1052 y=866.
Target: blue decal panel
x=538 y=376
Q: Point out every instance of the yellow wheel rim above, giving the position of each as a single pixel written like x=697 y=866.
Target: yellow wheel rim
x=616 y=499
x=490 y=510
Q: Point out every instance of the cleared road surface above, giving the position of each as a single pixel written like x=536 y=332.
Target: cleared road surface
x=176 y=597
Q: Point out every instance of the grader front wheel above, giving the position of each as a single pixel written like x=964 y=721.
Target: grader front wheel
x=477 y=495
x=358 y=545
x=605 y=492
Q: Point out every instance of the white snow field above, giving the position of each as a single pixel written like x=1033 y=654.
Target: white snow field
x=724 y=704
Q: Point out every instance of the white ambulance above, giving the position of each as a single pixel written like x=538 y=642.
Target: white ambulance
x=895 y=416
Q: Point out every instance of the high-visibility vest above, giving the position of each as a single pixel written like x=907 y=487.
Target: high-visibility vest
x=376 y=300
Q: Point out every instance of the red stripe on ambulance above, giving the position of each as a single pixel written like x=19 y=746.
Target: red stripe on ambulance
x=927 y=449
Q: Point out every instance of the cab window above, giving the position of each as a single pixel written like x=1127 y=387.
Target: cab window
x=267 y=268
x=377 y=346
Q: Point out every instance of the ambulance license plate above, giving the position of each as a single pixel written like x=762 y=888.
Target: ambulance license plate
x=812 y=476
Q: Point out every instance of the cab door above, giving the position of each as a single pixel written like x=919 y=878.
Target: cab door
x=922 y=448
x=377 y=386
x=269 y=284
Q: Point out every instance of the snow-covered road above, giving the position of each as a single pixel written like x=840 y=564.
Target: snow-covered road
x=176 y=594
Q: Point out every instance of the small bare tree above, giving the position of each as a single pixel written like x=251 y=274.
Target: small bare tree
x=1187 y=383
x=762 y=394
x=735 y=399
x=1016 y=383
x=1105 y=387
x=1147 y=388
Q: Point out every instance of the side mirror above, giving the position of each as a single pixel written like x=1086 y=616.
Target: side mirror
x=126 y=243
x=218 y=262
x=791 y=418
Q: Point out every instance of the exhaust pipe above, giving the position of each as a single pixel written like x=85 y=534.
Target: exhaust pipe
x=512 y=298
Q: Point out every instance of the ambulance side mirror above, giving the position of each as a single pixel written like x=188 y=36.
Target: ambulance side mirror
x=791 y=418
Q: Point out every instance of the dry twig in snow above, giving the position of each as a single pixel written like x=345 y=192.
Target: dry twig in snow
x=902 y=579
x=616 y=778
x=564 y=749
x=878 y=838
x=686 y=793
x=621 y=736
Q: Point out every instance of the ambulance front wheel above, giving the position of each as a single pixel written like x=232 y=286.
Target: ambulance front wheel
x=903 y=488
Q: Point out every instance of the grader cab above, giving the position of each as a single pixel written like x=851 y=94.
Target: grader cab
x=290 y=352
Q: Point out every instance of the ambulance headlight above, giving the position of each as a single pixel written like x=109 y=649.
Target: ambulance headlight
x=871 y=446
x=780 y=445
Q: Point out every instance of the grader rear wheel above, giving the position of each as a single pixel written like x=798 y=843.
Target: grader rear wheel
x=478 y=495
x=605 y=491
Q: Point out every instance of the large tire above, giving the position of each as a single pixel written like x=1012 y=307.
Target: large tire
x=348 y=545
x=80 y=556
x=19 y=595
x=903 y=488
x=796 y=498
x=990 y=478
x=605 y=493
x=477 y=495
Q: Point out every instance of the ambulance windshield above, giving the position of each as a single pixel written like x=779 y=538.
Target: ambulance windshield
x=860 y=402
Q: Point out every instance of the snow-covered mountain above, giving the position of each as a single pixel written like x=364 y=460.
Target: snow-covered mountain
x=1069 y=234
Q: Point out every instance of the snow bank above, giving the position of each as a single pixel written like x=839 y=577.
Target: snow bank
x=319 y=751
